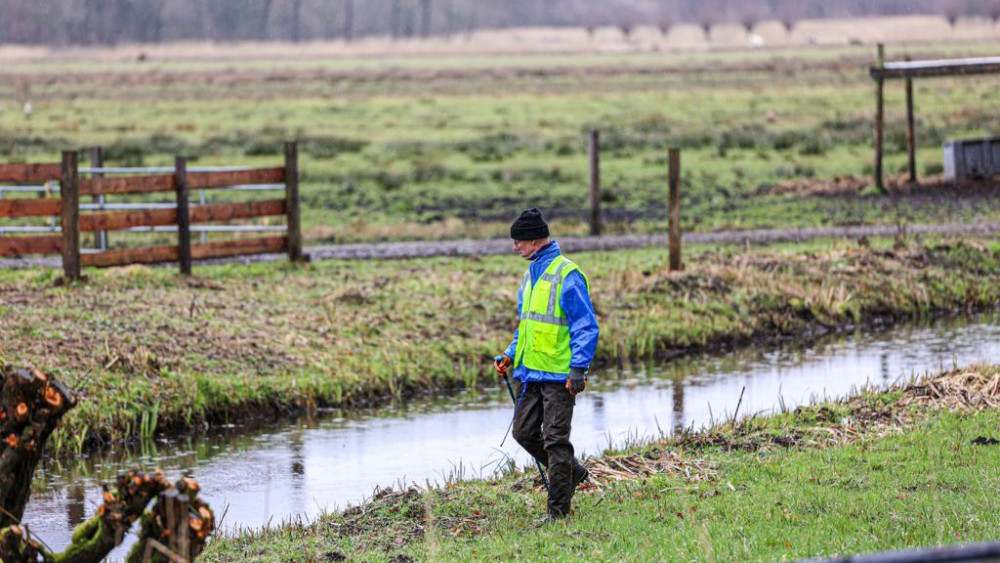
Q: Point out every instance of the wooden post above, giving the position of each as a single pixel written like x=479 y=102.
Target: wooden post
x=292 y=209
x=97 y=161
x=911 y=131
x=675 y=209
x=70 y=194
x=183 y=215
x=595 y=184
x=879 y=119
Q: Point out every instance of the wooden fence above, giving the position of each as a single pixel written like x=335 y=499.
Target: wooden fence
x=67 y=207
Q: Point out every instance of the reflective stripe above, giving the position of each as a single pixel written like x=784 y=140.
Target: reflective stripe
x=556 y=289
x=525 y=286
x=548 y=319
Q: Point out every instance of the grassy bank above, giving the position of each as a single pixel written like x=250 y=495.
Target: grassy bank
x=903 y=468
x=152 y=351
x=421 y=150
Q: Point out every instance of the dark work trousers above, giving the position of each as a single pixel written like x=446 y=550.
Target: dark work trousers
x=542 y=426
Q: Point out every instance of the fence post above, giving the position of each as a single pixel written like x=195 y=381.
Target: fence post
x=292 y=209
x=97 y=161
x=183 y=217
x=674 y=178
x=911 y=131
x=69 y=189
x=879 y=119
x=595 y=184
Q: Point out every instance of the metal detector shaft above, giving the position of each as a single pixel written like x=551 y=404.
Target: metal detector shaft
x=538 y=464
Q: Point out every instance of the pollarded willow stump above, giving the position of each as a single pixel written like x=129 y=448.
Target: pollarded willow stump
x=176 y=528
x=31 y=405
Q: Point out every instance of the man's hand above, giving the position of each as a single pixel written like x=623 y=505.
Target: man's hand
x=577 y=381
x=501 y=363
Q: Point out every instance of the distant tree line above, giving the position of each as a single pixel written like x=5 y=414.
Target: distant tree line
x=108 y=22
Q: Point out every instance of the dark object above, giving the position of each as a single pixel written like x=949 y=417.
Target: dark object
x=293 y=202
x=183 y=216
x=595 y=184
x=69 y=192
x=975 y=553
x=984 y=441
x=577 y=381
x=972 y=158
x=879 y=120
x=529 y=226
x=674 y=181
x=538 y=464
x=547 y=404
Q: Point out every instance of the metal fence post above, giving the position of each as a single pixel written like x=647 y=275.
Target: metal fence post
x=674 y=178
x=292 y=209
x=97 y=161
x=183 y=218
x=70 y=195
x=911 y=131
x=595 y=184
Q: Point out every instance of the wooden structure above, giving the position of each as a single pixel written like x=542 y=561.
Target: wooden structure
x=67 y=206
x=674 y=213
x=595 y=183
x=908 y=71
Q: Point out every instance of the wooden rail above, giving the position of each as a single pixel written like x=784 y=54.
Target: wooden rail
x=119 y=220
x=157 y=254
x=74 y=222
x=10 y=208
x=30 y=173
x=19 y=246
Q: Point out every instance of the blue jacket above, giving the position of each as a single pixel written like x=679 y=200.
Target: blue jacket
x=575 y=302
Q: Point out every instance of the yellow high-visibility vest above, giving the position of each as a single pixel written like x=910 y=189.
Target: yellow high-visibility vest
x=543 y=335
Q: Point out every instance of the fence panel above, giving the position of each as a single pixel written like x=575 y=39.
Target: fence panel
x=148 y=217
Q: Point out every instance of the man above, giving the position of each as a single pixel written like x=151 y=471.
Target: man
x=551 y=352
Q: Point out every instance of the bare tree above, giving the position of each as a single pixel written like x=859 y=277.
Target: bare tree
x=707 y=20
x=265 y=19
x=628 y=19
x=296 y=24
x=666 y=16
x=952 y=11
x=993 y=11
x=425 y=18
x=348 y=20
x=749 y=20
x=789 y=14
x=395 y=18
x=591 y=19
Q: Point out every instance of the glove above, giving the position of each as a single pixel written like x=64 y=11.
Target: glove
x=501 y=363
x=577 y=381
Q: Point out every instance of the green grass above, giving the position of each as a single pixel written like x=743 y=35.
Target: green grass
x=440 y=156
x=265 y=338
x=889 y=485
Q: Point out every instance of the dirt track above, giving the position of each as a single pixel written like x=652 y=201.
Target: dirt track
x=424 y=249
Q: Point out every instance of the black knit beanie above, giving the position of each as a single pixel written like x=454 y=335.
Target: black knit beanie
x=529 y=226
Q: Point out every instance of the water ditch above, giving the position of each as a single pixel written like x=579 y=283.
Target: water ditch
x=265 y=476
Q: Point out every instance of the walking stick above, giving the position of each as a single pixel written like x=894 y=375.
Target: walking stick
x=538 y=464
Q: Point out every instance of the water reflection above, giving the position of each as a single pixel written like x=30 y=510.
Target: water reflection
x=276 y=473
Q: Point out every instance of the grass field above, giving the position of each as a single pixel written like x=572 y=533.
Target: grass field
x=154 y=352
x=880 y=471
x=405 y=143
